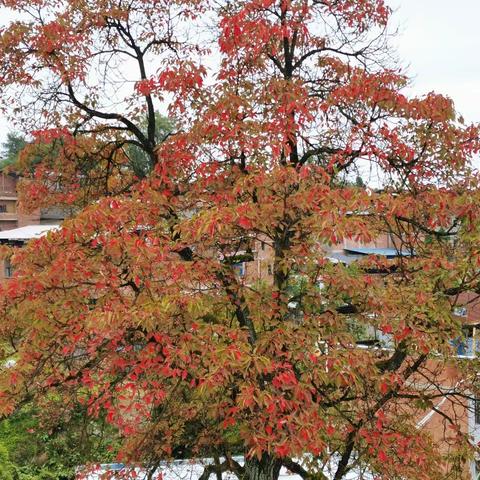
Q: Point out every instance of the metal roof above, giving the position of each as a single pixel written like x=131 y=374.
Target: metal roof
x=337 y=257
x=26 y=233
x=384 y=252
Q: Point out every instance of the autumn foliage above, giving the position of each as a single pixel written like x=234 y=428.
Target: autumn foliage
x=135 y=308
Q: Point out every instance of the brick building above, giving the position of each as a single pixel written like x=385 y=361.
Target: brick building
x=259 y=266
x=12 y=217
x=17 y=227
x=446 y=376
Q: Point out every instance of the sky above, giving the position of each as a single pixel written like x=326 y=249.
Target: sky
x=439 y=40
x=439 y=43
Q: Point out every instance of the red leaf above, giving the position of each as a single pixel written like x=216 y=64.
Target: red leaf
x=282 y=450
x=382 y=456
x=386 y=329
x=244 y=223
x=383 y=388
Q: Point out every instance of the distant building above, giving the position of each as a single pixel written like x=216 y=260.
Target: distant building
x=10 y=215
x=18 y=237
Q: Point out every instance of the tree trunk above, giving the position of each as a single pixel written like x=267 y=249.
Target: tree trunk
x=267 y=468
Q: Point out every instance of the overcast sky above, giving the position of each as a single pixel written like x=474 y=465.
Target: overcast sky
x=439 y=41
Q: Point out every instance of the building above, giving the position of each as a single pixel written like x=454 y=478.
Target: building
x=255 y=262
x=18 y=237
x=12 y=217
x=17 y=227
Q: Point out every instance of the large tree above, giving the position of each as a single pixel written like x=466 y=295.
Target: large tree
x=135 y=307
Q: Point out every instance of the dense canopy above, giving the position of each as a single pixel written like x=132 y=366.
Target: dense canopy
x=137 y=308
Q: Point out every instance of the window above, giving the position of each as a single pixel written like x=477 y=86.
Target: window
x=270 y=269
x=477 y=410
x=239 y=269
x=8 y=269
x=476 y=469
x=464 y=346
x=460 y=311
x=468 y=345
x=3 y=208
x=263 y=245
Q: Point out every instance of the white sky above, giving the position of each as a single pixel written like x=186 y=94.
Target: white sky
x=439 y=42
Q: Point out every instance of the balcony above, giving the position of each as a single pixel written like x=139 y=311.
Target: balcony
x=8 y=216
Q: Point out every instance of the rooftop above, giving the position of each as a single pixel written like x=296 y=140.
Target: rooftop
x=23 y=234
x=384 y=252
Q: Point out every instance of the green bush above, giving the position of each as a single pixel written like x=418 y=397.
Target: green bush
x=35 y=450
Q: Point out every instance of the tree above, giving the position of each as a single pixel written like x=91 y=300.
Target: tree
x=12 y=147
x=135 y=308
x=141 y=163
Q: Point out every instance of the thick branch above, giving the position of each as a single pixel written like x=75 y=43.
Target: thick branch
x=294 y=467
x=110 y=116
